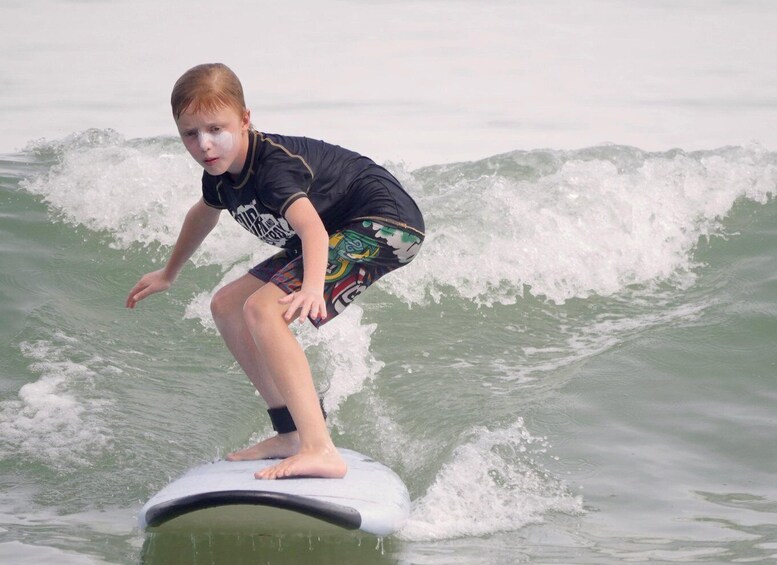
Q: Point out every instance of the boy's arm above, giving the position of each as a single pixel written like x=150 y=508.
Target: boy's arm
x=199 y=222
x=309 y=300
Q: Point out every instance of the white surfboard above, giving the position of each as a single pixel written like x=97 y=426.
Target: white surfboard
x=224 y=496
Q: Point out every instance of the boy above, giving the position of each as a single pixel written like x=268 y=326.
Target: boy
x=341 y=221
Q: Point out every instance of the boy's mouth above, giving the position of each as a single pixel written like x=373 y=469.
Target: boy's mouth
x=211 y=160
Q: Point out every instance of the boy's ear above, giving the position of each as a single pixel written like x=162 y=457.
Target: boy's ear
x=246 y=122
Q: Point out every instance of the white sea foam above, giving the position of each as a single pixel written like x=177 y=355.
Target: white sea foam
x=494 y=482
x=571 y=225
x=341 y=351
x=57 y=418
x=562 y=224
x=137 y=191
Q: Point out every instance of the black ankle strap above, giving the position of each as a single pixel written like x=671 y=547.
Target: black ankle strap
x=281 y=419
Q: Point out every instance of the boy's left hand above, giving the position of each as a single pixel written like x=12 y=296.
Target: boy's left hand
x=304 y=303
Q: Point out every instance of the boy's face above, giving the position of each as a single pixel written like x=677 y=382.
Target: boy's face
x=216 y=140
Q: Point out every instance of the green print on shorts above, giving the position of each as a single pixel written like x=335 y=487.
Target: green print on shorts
x=405 y=245
x=346 y=248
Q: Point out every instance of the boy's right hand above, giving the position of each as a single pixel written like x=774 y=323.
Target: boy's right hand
x=148 y=284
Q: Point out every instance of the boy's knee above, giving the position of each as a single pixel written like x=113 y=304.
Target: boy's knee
x=223 y=304
x=255 y=307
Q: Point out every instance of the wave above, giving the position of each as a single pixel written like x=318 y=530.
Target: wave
x=564 y=255
x=614 y=226
x=554 y=224
x=60 y=418
x=572 y=224
x=494 y=482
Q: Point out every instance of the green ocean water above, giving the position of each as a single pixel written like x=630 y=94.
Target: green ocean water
x=579 y=368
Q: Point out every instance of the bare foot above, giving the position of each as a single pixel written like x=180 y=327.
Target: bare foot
x=326 y=463
x=276 y=447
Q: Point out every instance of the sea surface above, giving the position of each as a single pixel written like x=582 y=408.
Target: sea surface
x=579 y=368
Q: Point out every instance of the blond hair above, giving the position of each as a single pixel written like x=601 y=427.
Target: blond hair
x=208 y=87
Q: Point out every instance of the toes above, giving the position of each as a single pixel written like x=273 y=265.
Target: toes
x=279 y=471
x=266 y=474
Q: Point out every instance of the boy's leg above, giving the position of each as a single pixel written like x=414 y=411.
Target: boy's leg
x=359 y=255
x=285 y=360
x=227 y=309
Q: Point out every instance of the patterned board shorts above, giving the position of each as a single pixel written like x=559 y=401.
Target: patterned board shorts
x=359 y=254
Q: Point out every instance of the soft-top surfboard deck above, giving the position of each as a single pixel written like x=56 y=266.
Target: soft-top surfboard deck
x=224 y=496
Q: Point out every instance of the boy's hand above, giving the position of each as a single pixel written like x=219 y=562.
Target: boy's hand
x=305 y=303
x=148 y=284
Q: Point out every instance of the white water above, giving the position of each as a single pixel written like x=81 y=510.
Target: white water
x=571 y=225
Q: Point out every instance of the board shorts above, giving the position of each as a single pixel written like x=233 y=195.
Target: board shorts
x=359 y=254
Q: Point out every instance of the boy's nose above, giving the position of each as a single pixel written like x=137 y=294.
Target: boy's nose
x=204 y=140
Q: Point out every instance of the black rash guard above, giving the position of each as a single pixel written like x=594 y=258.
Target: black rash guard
x=342 y=185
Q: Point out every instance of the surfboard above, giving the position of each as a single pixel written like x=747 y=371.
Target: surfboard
x=224 y=496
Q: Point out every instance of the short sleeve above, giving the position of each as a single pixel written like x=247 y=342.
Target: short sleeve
x=210 y=193
x=285 y=178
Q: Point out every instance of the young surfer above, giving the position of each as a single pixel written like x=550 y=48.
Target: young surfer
x=341 y=221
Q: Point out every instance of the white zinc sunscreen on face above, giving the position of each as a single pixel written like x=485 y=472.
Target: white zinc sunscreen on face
x=221 y=140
